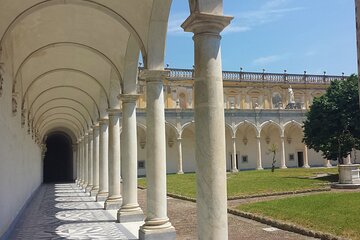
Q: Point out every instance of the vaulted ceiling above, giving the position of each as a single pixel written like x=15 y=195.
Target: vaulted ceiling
x=69 y=60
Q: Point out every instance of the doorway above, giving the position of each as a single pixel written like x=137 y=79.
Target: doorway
x=300 y=156
x=58 y=162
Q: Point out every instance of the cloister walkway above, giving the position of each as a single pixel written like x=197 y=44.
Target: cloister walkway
x=64 y=211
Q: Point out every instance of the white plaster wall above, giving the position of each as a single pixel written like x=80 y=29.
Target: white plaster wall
x=20 y=163
x=171 y=158
x=188 y=146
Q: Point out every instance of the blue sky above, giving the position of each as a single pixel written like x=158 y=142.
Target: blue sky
x=296 y=35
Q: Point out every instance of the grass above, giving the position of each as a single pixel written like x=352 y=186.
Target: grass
x=336 y=213
x=247 y=183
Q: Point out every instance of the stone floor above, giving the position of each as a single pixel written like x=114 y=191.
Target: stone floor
x=63 y=211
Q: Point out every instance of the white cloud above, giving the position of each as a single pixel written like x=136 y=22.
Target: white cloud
x=261 y=61
x=234 y=29
x=271 y=11
x=174 y=24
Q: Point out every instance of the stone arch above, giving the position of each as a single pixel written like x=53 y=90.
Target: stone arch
x=66 y=70
x=61 y=122
x=60 y=115
x=67 y=99
x=77 y=89
x=188 y=146
x=246 y=136
x=36 y=120
x=66 y=130
x=91 y=4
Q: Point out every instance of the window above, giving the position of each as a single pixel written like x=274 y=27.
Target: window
x=141 y=164
x=291 y=157
x=244 y=158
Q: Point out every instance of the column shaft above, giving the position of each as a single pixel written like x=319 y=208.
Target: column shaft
x=258 y=155
x=103 y=161
x=95 y=189
x=234 y=167
x=283 y=157
x=86 y=161
x=156 y=211
x=90 y=162
x=114 y=199
x=210 y=151
x=306 y=157
x=130 y=210
x=180 y=158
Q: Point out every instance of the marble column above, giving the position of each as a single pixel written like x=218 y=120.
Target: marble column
x=103 y=161
x=114 y=199
x=283 y=157
x=95 y=188
x=180 y=158
x=306 y=157
x=130 y=210
x=81 y=162
x=78 y=163
x=234 y=167
x=86 y=161
x=210 y=152
x=90 y=162
x=75 y=161
x=258 y=154
x=157 y=224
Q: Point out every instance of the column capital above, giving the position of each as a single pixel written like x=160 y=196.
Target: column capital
x=129 y=98
x=103 y=121
x=206 y=23
x=114 y=112
x=95 y=126
x=154 y=75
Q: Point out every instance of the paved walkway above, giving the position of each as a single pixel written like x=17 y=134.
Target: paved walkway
x=63 y=211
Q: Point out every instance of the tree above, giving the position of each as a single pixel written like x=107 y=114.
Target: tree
x=333 y=123
x=273 y=150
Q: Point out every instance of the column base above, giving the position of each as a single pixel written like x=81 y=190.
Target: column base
x=180 y=172
x=259 y=168
x=234 y=170
x=163 y=232
x=102 y=196
x=83 y=186
x=94 y=192
x=88 y=188
x=130 y=215
x=328 y=165
x=283 y=167
x=113 y=203
x=306 y=166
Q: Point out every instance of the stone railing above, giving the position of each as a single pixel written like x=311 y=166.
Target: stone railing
x=188 y=74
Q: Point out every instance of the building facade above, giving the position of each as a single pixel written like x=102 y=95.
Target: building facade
x=261 y=110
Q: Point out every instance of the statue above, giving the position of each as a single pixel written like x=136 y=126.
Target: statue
x=291 y=95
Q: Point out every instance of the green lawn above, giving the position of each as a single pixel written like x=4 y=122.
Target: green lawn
x=336 y=213
x=255 y=182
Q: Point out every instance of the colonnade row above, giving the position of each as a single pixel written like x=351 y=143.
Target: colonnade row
x=99 y=170
x=98 y=163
